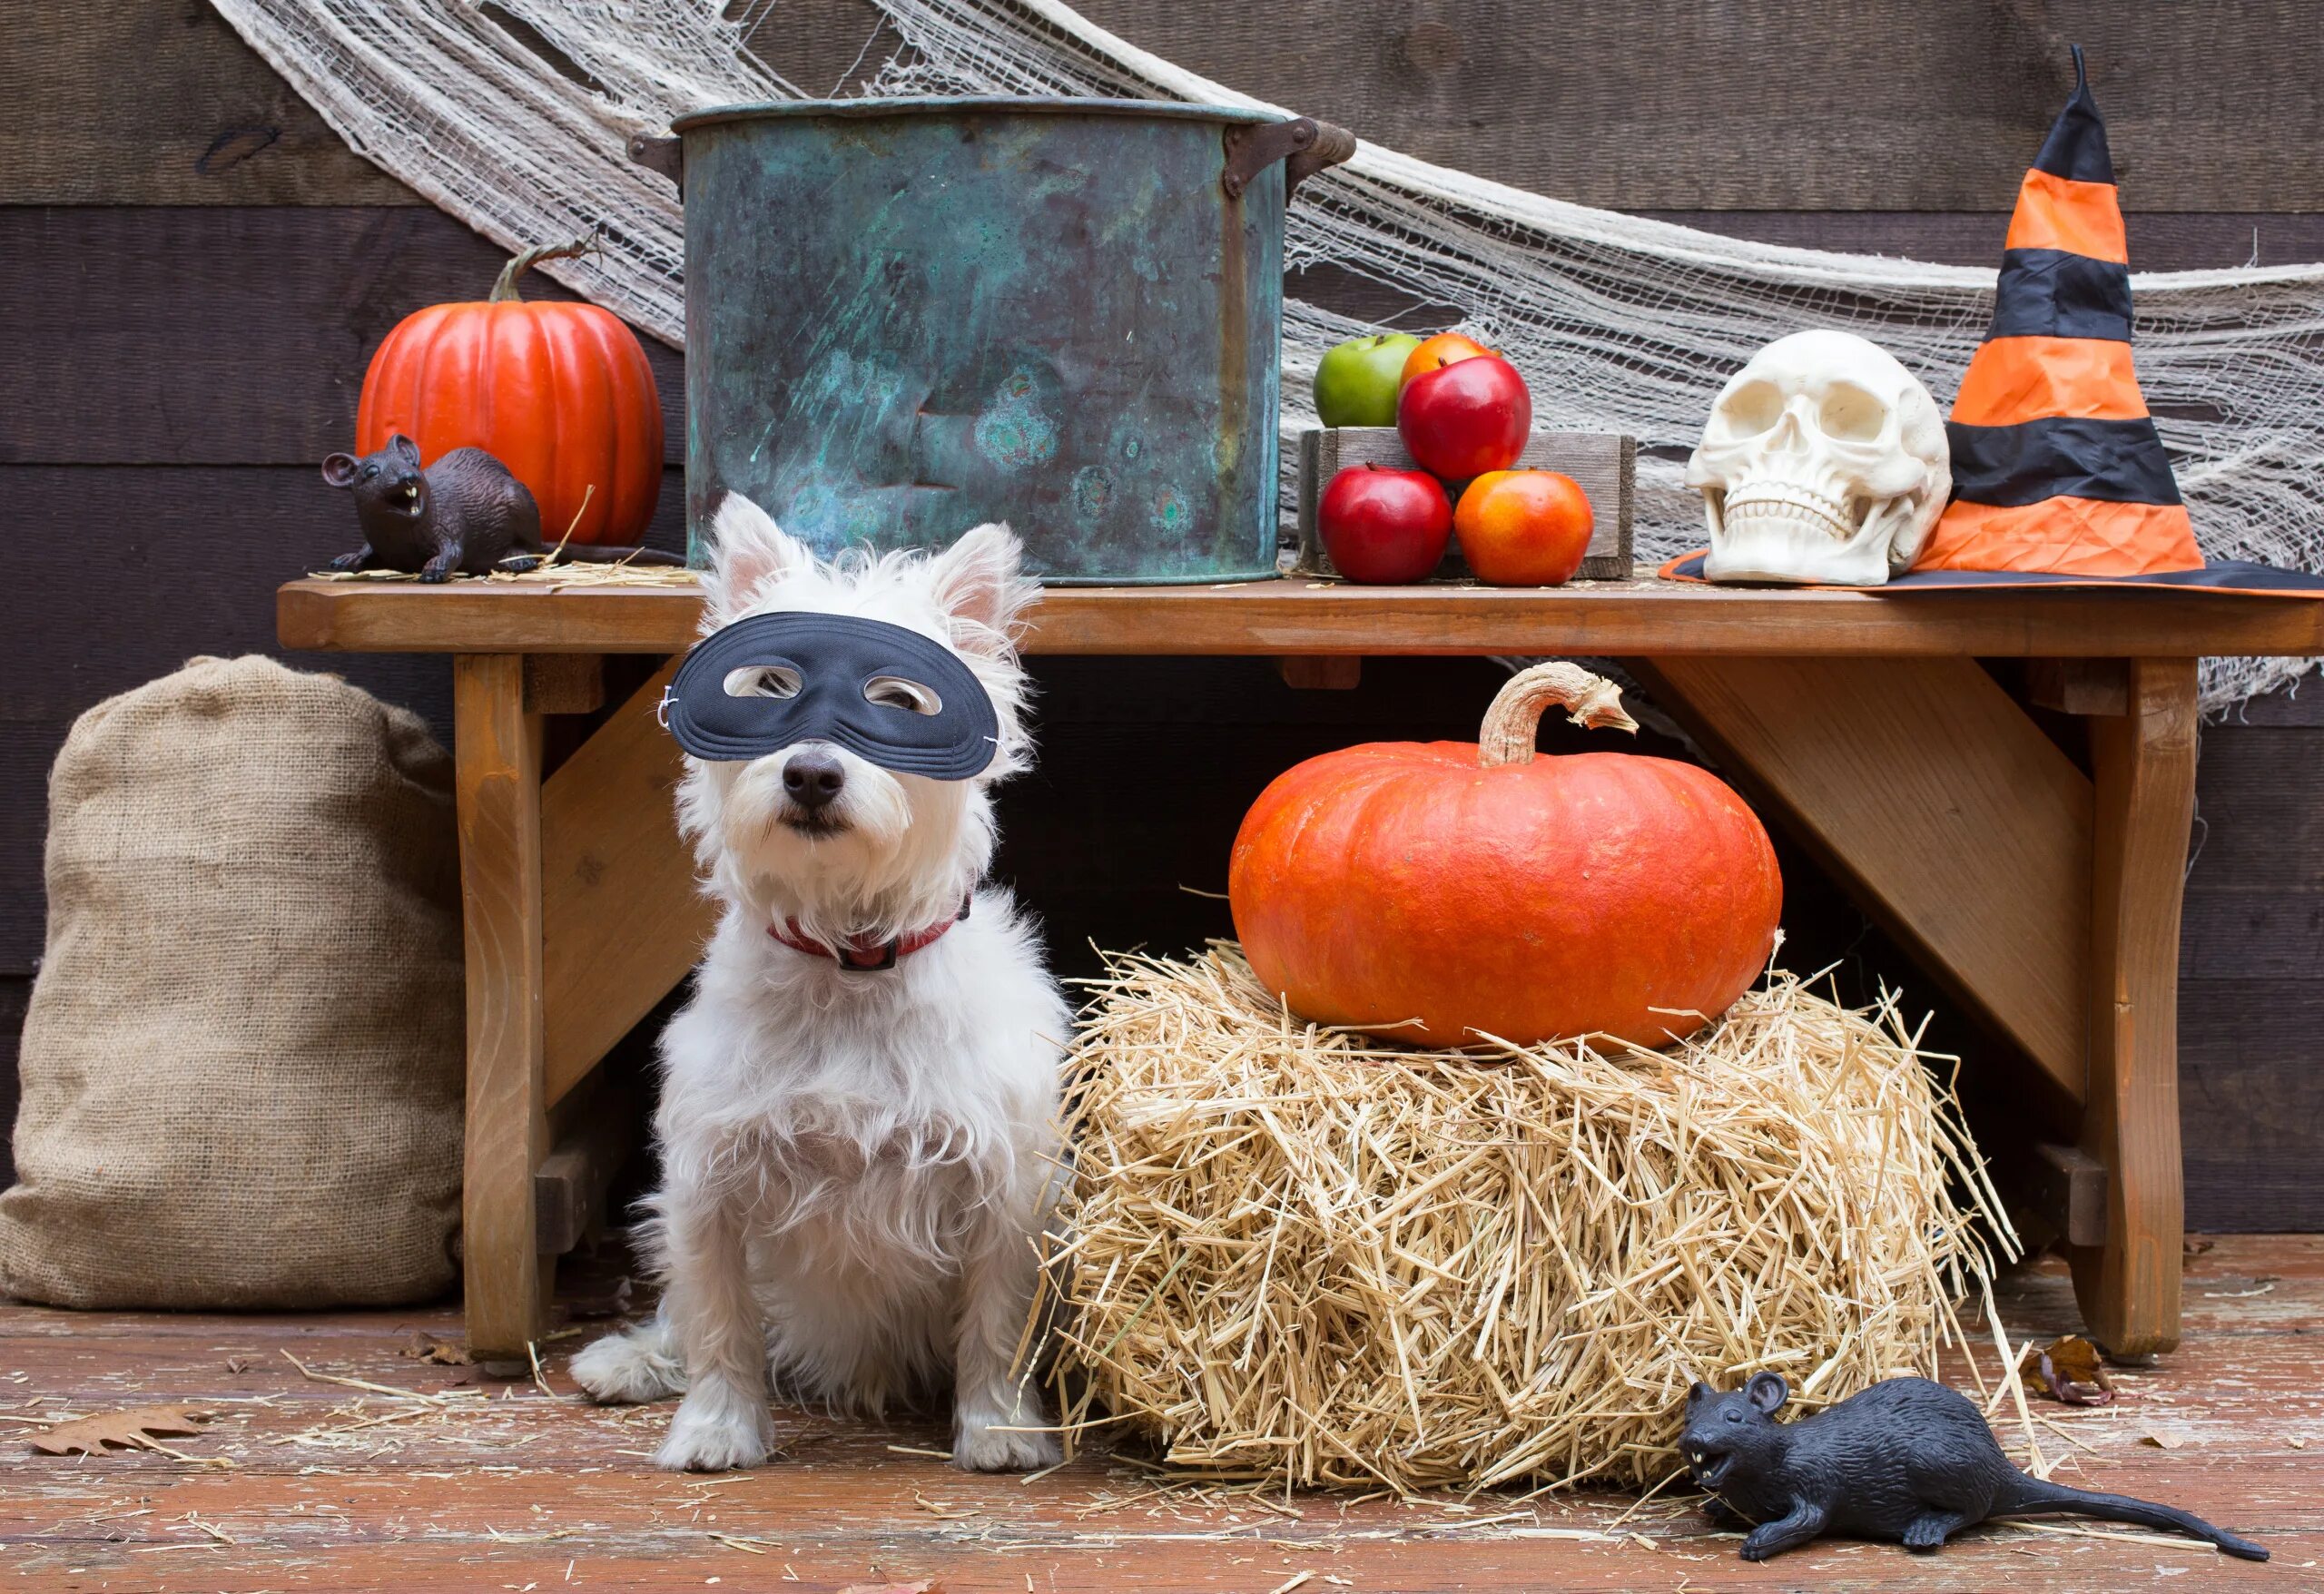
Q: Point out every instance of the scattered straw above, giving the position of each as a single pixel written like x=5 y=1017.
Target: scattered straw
x=624 y=574
x=1301 y=1255
x=312 y=1376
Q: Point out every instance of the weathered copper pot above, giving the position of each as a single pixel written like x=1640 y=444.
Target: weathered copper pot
x=906 y=316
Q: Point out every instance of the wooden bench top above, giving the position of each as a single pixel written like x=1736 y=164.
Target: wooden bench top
x=1298 y=616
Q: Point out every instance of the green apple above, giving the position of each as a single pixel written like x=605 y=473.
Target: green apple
x=1355 y=383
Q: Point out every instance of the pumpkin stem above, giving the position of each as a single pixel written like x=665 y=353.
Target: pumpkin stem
x=1511 y=723
x=504 y=292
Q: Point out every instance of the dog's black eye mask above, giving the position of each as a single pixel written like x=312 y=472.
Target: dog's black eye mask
x=889 y=695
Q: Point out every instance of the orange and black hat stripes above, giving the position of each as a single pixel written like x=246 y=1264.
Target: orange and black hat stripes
x=2056 y=465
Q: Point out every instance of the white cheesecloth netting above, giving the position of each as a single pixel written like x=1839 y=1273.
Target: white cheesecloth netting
x=1640 y=320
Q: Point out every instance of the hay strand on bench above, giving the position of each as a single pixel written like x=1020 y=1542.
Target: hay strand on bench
x=553 y=576
x=1306 y=1257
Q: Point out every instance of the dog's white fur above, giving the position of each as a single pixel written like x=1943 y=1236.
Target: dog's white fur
x=855 y=1166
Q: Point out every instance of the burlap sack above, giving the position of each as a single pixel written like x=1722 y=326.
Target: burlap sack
x=243 y=1062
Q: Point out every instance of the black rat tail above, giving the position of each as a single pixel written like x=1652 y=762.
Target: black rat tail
x=2035 y=1497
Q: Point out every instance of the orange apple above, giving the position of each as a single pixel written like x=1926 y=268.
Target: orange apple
x=1437 y=352
x=1523 y=528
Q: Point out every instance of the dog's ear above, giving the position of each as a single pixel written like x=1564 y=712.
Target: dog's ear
x=747 y=550
x=1768 y=1391
x=976 y=581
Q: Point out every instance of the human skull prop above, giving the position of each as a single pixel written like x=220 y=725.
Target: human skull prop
x=1825 y=460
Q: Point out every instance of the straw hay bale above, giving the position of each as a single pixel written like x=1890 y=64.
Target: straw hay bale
x=1302 y=1255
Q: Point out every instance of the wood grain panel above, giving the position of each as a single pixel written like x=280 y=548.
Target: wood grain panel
x=28 y=748
x=1967 y=832
x=2250 y=1101
x=2259 y=822
x=189 y=336
x=828 y=47
x=159 y=103
x=2142 y=768
x=627 y=920
x=1406 y=697
x=183 y=335
x=2253 y=935
x=500 y=893
x=1295 y=616
x=114 y=576
x=1759 y=107
x=2301 y=703
x=15 y=996
x=1785 y=104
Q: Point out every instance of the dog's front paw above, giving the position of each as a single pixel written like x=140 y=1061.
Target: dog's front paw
x=628 y=1368
x=976 y=1448
x=715 y=1435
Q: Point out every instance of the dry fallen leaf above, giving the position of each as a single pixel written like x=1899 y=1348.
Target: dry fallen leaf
x=925 y=1585
x=134 y=1429
x=2072 y=1369
x=427 y=1347
x=2162 y=1440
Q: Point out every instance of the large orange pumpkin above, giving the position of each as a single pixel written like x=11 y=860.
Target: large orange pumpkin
x=1483 y=889
x=560 y=392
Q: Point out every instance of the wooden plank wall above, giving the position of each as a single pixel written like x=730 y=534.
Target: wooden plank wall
x=193 y=270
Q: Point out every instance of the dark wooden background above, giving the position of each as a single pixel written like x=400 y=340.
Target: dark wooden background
x=193 y=271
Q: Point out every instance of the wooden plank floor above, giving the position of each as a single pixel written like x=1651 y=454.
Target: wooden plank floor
x=465 y=1484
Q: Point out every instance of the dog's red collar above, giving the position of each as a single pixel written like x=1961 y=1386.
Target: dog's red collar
x=865 y=956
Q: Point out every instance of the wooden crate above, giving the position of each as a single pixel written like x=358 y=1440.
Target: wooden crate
x=1601 y=463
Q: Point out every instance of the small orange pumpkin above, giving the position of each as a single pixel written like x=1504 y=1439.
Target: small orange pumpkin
x=560 y=392
x=1484 y=891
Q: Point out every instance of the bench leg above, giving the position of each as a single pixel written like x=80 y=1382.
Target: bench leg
x=498 y=742
x=2143 y=764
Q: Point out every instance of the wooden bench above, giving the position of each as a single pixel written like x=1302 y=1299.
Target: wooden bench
x=2044 y=899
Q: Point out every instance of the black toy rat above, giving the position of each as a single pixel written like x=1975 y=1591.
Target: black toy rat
x=1907 y=1460
x=466 y=512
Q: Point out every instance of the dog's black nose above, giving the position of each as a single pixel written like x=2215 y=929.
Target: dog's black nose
x=813 y=778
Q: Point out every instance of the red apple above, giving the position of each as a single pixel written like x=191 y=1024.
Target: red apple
x=1383 y=527
x=1465 y=419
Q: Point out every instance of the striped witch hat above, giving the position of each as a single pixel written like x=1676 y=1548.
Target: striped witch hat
x=2057 y=468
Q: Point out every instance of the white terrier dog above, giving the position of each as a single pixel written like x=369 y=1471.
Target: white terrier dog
x=856 y=1165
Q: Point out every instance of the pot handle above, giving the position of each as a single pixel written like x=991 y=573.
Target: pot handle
x=665 y=156
x=1305 y=146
